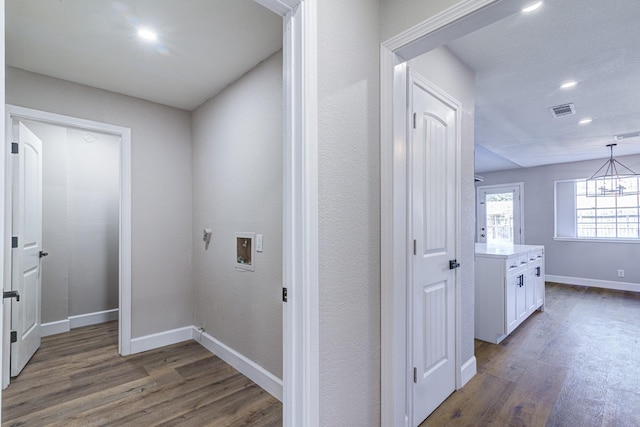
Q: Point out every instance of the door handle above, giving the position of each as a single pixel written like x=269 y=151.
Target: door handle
x=11 y=294
x=453 y=264
x=43 y=254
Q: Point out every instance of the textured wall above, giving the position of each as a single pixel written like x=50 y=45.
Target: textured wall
x=400 y=15
x=80 y=221
x=588 y=260
x=237 y=178
x=443 y=68
x=349 y=212
x=161 y=190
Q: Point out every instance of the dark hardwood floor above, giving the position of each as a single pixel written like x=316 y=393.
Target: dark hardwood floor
x=78 y=379
x=577 y=364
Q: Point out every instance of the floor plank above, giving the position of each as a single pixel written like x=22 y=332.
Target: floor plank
x=575 y=364
x=78 y=379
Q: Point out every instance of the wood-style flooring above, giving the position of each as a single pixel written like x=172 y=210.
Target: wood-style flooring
x=78 y=379
x=577 y=364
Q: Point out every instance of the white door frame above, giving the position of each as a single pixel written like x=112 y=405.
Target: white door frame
x=520 y=187
x=300 y=273
x=14 y=112
x=300 y=200
x=463 y=17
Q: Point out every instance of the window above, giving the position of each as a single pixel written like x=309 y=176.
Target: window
x=607 y=218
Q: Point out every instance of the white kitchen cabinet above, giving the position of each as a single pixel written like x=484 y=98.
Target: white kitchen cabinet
x=509 y=287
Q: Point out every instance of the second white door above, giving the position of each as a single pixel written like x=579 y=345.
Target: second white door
x=434 y=195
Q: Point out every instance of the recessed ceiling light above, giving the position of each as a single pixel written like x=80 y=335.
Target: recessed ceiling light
x=147 y=34
x=532 y=7
x=585 y=121
x=568 y=85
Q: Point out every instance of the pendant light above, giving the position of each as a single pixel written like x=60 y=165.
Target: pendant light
x=613 y=179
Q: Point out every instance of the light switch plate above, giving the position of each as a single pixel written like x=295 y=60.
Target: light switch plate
x=258 y=242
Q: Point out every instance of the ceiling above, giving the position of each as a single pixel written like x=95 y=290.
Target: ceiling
x=520 y=63
x=202 y=46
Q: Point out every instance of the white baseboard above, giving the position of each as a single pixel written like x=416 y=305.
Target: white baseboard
x=54 y=328
x=467 y=371
x=161 y=339
x=93 y=318
x=256 y=373
x=605 y=284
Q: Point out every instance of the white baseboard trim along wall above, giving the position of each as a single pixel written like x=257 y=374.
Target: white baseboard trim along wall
x=61 y=326
x=256 y=373
x=161 y=339
x=605 y=284
x=468 y=371
x=250 y=369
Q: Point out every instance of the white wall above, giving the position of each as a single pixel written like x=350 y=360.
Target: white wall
x=55 y=268
x=587 y=260
x=349 y=211
x=162 y=260
x=443 y=68
x=80 y=221
x=237 y=178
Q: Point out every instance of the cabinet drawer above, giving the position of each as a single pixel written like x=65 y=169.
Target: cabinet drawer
x=535 y=255
x=512 y=263
x=523 y=259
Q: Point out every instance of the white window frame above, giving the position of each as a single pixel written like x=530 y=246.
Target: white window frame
x=565 y=227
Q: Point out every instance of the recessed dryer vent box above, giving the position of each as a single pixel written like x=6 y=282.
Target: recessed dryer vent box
x=245 y=251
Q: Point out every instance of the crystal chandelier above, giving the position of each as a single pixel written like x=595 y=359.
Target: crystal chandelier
x=613 y=179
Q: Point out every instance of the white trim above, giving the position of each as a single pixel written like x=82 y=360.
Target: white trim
x=595 y=283
x=300 y=223
x=55 y=328
x=12 y=111
x=585 y=240
x=161 y=339
x=247 y=367
x=463 y=17
x=468 y=371
x=520 y=187
x=87 y=319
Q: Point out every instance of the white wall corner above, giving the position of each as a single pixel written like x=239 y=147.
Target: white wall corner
x=161 y=339
x=250 y=369
x=54 y=328
x=594 y=283
x=467 y=371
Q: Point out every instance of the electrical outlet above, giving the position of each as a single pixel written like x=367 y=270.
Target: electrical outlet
x=620 y=273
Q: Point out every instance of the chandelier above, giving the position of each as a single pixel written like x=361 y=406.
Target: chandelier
x=613 y=179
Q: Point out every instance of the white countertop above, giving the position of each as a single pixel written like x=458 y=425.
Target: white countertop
x=503 y=249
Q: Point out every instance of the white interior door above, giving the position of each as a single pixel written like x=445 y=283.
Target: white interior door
x=499 y=214
x=27 y=228
x=434 y=214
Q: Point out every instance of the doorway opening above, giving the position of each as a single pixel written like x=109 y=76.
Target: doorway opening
x=499 y=214
x=85 y=193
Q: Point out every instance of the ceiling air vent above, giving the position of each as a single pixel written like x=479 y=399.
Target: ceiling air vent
x=562 y=110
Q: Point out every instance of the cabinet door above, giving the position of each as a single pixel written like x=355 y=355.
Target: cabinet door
x=521 y=298
x=511 y=309
x=531 y=286
x=539 y=280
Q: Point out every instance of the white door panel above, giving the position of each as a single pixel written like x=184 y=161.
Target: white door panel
x=27 y=227
x=499 y=214
x=434 y=214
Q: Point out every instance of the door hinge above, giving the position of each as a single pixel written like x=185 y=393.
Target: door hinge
x=14 y=242
x=14 y=148
x=415 y=375
x=414 y=119
x=415 y=250
x=284 y=294
x=14 y=336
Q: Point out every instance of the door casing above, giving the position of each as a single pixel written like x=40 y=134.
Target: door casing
x=462 y=18
x=15 y=112
x=519 y=188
